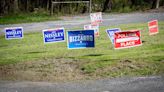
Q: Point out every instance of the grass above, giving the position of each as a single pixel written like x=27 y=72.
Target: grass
x=27 y=18
x=101 y=61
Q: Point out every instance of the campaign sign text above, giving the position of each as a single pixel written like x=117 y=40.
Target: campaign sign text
x=80 y=39
x=127 y=39
x=96 y=18
x=14 y=33
x=92 y=27
x=53 y=35
x=153 y=27
x=111 y=32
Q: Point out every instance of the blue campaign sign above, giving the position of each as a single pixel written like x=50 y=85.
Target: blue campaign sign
x=53 y=35
x=111 y=32
x=14 y=33
x=81 y=39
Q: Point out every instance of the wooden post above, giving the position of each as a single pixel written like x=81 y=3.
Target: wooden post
x=157 y=3
x=90 y=6
x=89 y=2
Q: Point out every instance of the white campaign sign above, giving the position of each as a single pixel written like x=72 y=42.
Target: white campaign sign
x=94 y=27
x=96 y=17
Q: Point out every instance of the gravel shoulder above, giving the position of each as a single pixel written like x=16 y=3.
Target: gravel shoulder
x=135 y=84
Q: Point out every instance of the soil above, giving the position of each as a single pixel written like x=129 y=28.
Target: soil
x=43 y=70
x=60 y=70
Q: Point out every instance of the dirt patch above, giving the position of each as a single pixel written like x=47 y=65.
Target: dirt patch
x=120 y=69
x=43 y=70
x=68 y=69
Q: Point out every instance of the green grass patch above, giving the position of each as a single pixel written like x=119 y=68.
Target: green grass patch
x=27 y=18
x=102 y=60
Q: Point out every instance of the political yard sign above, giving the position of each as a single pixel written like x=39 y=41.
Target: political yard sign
x=14 y=33
x=153 y=27
x=53 y=35
x=111 y=32
x=80 y=39
x=127 y=39
x=96 y=18
x=92 y=27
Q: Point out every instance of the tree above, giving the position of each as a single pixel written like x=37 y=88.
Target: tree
x=157 y=3
x=15 y=6
x=107 y=5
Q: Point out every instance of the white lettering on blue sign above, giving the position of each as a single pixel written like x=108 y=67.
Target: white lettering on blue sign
x=111 y=33
x=14 y=33
x=81 y=39
x=53 y=35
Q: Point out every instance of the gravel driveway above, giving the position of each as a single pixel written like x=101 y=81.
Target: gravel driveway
x=78 y=21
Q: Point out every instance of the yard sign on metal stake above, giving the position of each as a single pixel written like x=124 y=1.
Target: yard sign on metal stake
x=153 y=27
x=127 y=39
x=96 y=18
x=53 y=35
x=111 y=32
x=80 y=39
x=93 y=27
x=14 y=33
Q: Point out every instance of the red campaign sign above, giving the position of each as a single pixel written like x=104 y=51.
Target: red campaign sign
x=127 y=39
x=153 y=27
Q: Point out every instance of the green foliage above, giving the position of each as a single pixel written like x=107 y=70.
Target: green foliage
x=27 y=17
x=125 y=9
x=8 y=7
x=133 y=5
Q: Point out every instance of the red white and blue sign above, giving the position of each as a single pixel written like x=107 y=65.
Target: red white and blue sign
x=53 y=35
x=14 y=33
x=80 y=39
x=92 y=27
x=127 y=39
x=111 y=32
x=96 y=18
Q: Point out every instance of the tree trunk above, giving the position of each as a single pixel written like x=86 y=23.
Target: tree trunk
x=107 y=5
x=157 y=3
x=2 y=7
x=27 y=5
x=153 y=4
x=16 y=9
x=48 y=4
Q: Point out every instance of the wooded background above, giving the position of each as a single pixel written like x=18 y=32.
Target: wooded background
x=29 y=6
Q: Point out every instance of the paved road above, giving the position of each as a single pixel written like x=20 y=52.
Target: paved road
x=136 y=84
x=79 y=21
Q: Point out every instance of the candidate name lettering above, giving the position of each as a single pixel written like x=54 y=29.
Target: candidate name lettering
x=129 y=43
x=14 y=32
x=126 y=35
x=81 y=38
x=50 y=35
